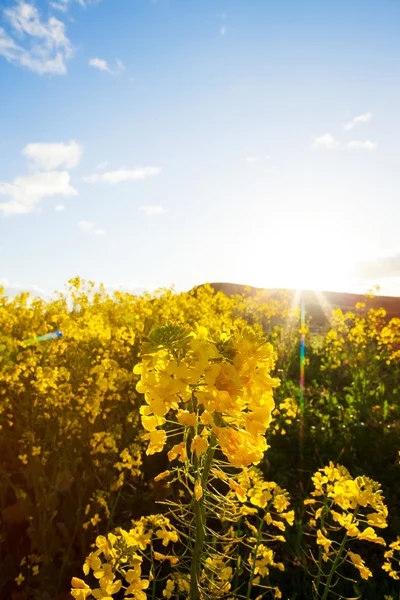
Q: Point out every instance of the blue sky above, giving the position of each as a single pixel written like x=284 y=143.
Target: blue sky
x=149 y=143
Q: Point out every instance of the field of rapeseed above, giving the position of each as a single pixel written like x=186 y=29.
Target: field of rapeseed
x=164 y=443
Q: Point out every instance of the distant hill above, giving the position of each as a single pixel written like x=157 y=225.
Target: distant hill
x=317 y=304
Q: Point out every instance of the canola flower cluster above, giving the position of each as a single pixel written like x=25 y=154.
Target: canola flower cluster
x=344 y=512
x=118 y=561
x=221 y=387
x=362 y=337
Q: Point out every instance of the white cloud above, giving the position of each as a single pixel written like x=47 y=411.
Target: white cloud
x=98 y=63
x=120 y=65
x=59 y=207
x=326 y=142
x=25 y=193
x=64 y=5
x=222 y=30
x=255 y=159
x=102 y=65
x=90 y=227
x=102 y=165
x=357 y=121
x=12 y=289
x=379 y=268
x=152 y=210
x=33 y=43
x=52 y=156
x=361 y=145
x=123 y=174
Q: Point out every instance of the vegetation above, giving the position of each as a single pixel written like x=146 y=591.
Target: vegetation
x=160 y=444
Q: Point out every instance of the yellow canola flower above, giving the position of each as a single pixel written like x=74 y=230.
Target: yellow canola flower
x=149 y=421
x=184 y=417
x=206 y=418
x=288 y=516
x=347 y=521
x=263 y=561
x=162 y=475
x=199 y=445
x=240 y=447
x=323 y=541
x=360 y=565
x=136 y=584
x=167 y=536
x=92 y=562
x=178 y=451
x=172 y=559
x=258 y=420
x=80 y=590
x=238 y=489
x=369 y=535
x=157 y=440
x=378 y=519
x=169 y=589
x=198 y=490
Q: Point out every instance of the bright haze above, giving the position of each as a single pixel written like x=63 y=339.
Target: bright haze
x=150 y=143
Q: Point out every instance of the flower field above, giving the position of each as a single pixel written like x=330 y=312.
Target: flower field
x=162 y=448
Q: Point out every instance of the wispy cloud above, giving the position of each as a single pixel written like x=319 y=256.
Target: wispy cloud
x=361 y=145
x=222 y=30
x=358 y=121
x=40 y=46
x=102 y=65
x=381 y=268
x=326 y=142
x=12 y=288
x=53 y=155
x=123 y=174
x=102 y=165
x=90 y=227
x=25 y=193
x=59 y=207
x=64 y=5
x=256 y=159
x=152 y=210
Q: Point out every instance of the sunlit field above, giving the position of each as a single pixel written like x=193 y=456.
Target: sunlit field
x=165 y=446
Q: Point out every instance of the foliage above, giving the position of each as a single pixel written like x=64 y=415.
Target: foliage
x=89 y=420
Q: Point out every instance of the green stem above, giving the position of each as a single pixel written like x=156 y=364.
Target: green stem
x=323 y=516
x=254 y=559
x=334 y=567
x=153 y=572
x=200 y=524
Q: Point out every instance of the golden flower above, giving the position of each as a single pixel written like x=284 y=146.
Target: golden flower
x=184 y=417
x=199 y=445
x=198 y=490
x=360 y=565
x=157 y=440
x=178 y=451
x=162 y=475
